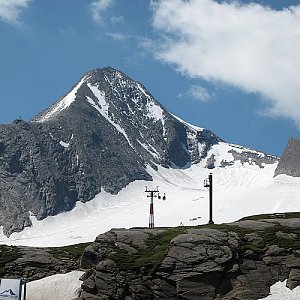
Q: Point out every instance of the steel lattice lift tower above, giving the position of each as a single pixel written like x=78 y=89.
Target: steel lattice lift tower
x=152 y=194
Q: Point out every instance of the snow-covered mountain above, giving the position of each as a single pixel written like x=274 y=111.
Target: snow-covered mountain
x=107 y=135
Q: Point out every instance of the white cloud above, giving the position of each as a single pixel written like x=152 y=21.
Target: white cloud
x=10 y=10
x=197 y=92
x=249 y=46
x=118 y=36
x=97 y=8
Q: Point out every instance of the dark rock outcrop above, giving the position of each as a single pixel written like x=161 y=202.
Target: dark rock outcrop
x=35 y=263
x=289 y=163
x=230 y=261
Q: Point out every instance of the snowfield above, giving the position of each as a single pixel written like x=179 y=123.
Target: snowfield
x=55 y=287
x=239 y=191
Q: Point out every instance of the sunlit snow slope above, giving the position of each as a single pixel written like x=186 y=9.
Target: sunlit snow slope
x=239 y=190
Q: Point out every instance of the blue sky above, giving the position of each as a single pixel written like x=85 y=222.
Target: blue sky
x=231 y=67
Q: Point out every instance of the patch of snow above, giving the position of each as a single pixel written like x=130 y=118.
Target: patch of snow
x=62 y=104
x=220 y=152
x=152 y=151
x=60 y=286
x=118 y=75
x=103 y=108
x=201 y=147
x=154 y=110
x=190 y=126
x=64 y=144
x=107 y=79
x=191 y=134
x=143 y=91
x=279 y=291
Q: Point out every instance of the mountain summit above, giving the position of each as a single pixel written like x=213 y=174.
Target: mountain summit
x=122 y=111
x=105 y=133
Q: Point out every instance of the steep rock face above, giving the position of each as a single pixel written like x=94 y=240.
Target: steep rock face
x=235 y=261
x=289 y=163
x=102 y=135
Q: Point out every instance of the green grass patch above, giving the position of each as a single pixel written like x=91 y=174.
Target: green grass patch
x=72 y=252
x=147 y=259
x=268 y=235
x=287 y=215
x=252 y=247
x=241 y=232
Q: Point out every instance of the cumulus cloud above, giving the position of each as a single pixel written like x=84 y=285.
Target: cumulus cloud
x=248 y=46
x=97 y=8
x=10 y=10
x=197 y=92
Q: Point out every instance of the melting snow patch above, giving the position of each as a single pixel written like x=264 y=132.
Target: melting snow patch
x=154 y=110
x=60 y=286
x=64 y=144
x=220 y=152
x=152 y=151
x=279 y=291
x=102 y=107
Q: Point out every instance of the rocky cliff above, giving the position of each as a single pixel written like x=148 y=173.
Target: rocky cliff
x=289 y=163
x=32 y=263
x=102 y=135
x=237 y=261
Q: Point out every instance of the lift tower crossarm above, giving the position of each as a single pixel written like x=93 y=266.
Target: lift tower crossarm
x=152 y=194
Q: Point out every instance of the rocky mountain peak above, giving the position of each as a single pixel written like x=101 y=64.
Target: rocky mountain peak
x=109 y=91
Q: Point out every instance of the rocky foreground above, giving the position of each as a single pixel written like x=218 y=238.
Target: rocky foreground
x=229 y=261
x=237 y=261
